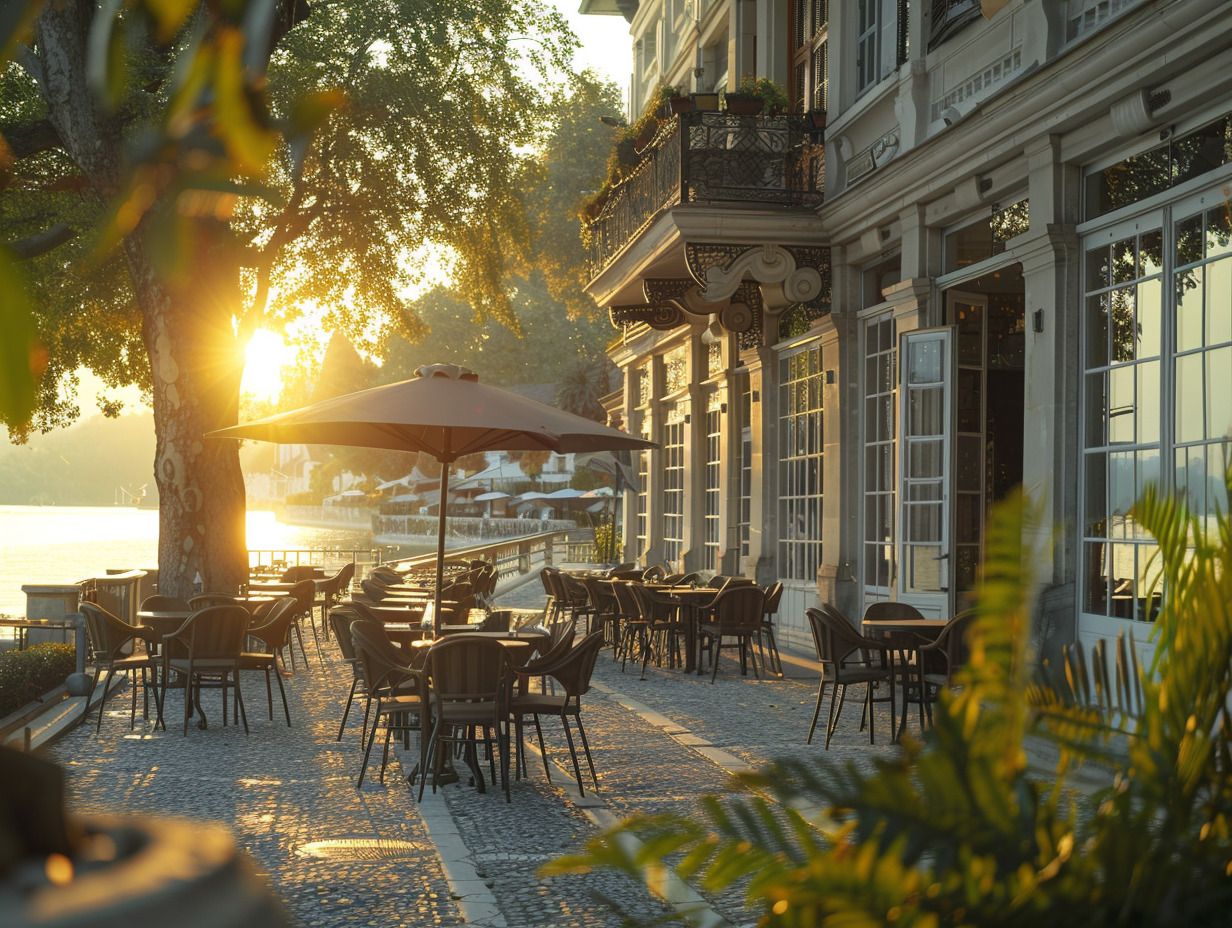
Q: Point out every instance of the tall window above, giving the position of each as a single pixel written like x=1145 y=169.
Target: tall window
x=810 y=25
x=1157 y=388
x=880 y=405
x=800 y=463
x=868 y=65
x=713 y=501
x=673 y=489
x=641 y=392
x=746 y=465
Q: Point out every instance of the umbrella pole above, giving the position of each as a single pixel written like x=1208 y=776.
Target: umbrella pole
x=440 y=536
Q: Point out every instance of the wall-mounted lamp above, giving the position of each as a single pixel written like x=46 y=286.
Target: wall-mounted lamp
x=756 y=396
x=1038 y=320
x=688 y=418
x=722 y=407
x=830 y=376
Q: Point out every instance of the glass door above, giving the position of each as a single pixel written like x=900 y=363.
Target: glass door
x=925 y=456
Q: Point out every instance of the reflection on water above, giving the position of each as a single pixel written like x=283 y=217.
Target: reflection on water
x=64 y=544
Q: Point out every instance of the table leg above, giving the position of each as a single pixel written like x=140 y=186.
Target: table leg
x=692 y=659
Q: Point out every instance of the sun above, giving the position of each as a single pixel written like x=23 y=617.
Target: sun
x=267 y=354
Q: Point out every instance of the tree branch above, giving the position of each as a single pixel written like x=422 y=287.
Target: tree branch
x=24 y=56
x=34 y=245
x=30 y=138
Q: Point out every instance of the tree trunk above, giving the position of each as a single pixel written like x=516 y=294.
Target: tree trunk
x=187 y=328
x=196 y=364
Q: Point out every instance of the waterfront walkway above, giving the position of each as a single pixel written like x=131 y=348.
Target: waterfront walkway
x=338 y=856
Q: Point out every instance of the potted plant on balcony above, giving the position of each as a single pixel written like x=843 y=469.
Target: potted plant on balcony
x=675 y=101
x=756 y=95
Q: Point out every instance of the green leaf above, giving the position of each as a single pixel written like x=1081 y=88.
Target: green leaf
x=20 y=356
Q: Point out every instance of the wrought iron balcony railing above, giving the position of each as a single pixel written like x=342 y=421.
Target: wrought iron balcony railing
x=710 y=157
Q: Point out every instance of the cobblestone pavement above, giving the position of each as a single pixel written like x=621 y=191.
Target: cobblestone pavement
x=462 y=857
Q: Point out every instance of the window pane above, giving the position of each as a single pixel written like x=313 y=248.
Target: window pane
x=1219 y=394
x=1219 y=302
x=1097 y=330
x=1150 y=318
x=1148 y=403
x=1190 y=419
x=1124 y=333
x=1189 y=291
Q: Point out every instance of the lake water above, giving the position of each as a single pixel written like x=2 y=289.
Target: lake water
x=64 y=544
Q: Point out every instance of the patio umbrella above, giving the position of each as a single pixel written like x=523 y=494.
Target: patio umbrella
x=443 y=411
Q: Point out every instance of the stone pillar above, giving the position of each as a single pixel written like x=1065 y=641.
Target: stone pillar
x=50 y=603
x=763 y=505
x=655 y=417
x=695 y=457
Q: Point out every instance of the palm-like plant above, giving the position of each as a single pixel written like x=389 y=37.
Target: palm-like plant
x=584 y=386
x=953 y=830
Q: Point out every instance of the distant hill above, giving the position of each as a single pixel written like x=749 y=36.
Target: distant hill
x=85 y=465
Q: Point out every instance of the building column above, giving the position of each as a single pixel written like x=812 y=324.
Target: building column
x=763 y=504
x=730 y=444
x=1050 y=257
x=655 y=417
x=695 y=457
x=628 y=500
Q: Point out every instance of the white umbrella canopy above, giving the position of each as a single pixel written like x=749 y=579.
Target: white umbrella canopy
x=443 y=411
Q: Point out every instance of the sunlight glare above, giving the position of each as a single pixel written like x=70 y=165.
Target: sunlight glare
x=264 y=360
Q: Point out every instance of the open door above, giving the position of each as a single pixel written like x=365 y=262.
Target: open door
x=926 y=456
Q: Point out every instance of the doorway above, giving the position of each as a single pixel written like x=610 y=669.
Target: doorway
x=988 y=315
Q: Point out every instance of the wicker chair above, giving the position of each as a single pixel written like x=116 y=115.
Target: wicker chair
x=937 y=661
x=469 y=680
x=340 y=619
x=394 y=691
x=773 y=596
x=572 y=671
x=272 y=630
x=332 y=591
x=159 y=603
x=659 y=619
x=210 y=643
x=111 y=651
x=203 y=600
x=846 y=659
x=735 y=613
x=304 y=593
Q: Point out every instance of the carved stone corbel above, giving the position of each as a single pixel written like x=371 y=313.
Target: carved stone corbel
x=785 y=280
x=663 y=317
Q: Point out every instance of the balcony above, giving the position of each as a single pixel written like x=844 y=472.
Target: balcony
x=711 y=158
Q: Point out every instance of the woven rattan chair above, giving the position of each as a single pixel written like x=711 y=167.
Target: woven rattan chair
x=469 y=680
x=340 y=619
x=661 y=626
x=111 y=651
x=304 y=593
x=205 y=649
x=394 y=691
x=766 y=633
x=332 y=591
x=271 y=631
x=735 y=613
x=937 y=661
x=572 y=671
x=202 y=600
x=633 y=630
x=847 y=658
x=158 y=603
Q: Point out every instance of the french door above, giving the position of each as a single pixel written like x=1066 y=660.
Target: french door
x=926 y=456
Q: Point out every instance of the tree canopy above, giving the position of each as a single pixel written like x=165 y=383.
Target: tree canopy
x=176 y=176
